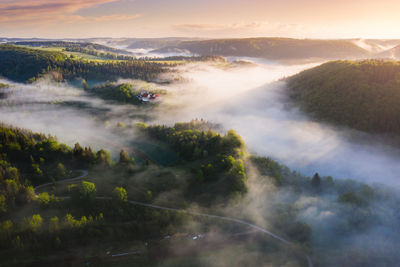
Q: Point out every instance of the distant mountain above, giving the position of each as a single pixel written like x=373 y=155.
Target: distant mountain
x=282 y=49
x=156 y=43
x=272 y=48
x=140 y=43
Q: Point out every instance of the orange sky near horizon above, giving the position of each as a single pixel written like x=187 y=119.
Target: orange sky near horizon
x=206 y=18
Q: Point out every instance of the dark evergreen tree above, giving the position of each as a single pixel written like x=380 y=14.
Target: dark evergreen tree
x=316 y=181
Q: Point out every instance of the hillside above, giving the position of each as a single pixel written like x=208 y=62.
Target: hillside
x=393 y=53
x=22 y=64
x=153 y=211
x=154 y=43
x=364 y=95
x=272 y=48
x=82 y=45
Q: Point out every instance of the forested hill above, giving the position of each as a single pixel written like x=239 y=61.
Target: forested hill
x=364 y=95
x=82 y=45
x=28 y=158
x=22 y=64
x=273 y=48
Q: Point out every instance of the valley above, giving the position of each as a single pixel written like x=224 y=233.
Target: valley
x=220 y=148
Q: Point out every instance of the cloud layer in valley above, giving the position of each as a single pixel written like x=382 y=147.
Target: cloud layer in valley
x=252 y=101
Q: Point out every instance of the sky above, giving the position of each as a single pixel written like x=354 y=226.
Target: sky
x=200 y=18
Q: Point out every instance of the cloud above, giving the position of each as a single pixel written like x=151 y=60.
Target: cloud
x=214 y=27
x=113 y=17
x=241 y=29
x=26 y=7
x=46 y=11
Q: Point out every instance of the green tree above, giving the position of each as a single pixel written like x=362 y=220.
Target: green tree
x=124 y=157
x=78 y=150
x=234 y=140
x=237 y=177
x=60 y=171
x=228 y=162
x=83 y=194
x=120 y=194
x=37 y=172
x=34 y=223
x=103 y=158
x=44 y=198
x=70 y=221
x=87 y=191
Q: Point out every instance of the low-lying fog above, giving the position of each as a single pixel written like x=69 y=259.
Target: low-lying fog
x=62 y=111
x=248 y=98
x=252 y=101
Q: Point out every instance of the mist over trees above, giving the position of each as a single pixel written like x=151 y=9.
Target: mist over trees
x=214 y=171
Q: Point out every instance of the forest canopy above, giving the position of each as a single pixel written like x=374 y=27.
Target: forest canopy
x=364 y=95
x=24 y=64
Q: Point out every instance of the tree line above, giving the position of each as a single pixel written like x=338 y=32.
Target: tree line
x=25 y=64
x=71 y=45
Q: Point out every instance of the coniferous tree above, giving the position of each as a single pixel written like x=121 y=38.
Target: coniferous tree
x=316 y=181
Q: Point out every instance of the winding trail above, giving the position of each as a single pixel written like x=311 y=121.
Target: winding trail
x=85 y=173
x=213 y=216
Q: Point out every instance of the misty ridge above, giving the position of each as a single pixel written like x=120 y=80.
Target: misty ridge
x=285 y=50
x=252 y=100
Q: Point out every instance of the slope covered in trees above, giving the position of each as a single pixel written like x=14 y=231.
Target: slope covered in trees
x=22 y=64
x=48 y=230
x=364 y=95
x=74 y=45
x=28 y=159
x=272 y=48
x=218 y=159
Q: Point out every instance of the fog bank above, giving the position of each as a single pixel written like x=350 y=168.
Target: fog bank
x=251 y=101
x=248 y=98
